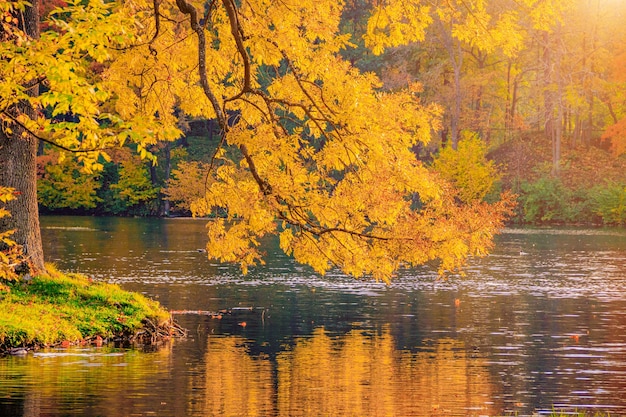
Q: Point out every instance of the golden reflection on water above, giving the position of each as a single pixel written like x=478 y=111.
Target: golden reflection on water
x=48 y=381
x=353 y=375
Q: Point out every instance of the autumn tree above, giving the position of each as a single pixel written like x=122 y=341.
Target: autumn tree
x=464 y=33
x=18 y=148
x=310 y=148
x=52 y=91
x=62 y=185
x=134 y=187
x=613 y=93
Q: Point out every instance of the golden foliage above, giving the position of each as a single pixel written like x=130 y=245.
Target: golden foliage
x=323 y=157
x=187 y=184
x=396 y=23
x=467 y=168
x=354 y=374
x=11 y=255
x=475 y=24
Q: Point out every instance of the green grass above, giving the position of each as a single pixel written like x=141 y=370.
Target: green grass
x=59 y=307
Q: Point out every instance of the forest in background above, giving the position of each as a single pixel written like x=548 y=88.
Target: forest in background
x=547 y=104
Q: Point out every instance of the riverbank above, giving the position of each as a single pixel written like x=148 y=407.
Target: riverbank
x=60 y=309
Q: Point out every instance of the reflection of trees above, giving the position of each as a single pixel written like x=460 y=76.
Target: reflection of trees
x=101 y=382
x=355 y=374
x=236 y=384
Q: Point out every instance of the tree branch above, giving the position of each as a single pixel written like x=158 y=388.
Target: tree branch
x=190 y=10
x=50 y=142
x=306 y=224
x=157 y=26
x=237 y=32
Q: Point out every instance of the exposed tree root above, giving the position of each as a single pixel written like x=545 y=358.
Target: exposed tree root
x=153 y=334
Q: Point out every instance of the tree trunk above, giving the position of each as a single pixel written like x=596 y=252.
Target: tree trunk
x=455 y=54
x=508 y=110
x=455 y=118
x=558 y=132
x=168 y=172
x=18 y=169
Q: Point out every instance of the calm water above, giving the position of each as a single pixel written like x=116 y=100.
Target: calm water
x=539 y=323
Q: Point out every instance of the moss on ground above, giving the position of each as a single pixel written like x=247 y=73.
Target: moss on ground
x=60 y=308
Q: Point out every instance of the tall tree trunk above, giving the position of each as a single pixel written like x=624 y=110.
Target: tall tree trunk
x=553 y=99
x=168 y=172
x=558 y=125
x=455 y=54
x=508 y=111
x=455 y=118
x=18 y=168
x=558 y=136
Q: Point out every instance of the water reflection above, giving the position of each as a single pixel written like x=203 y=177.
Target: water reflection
x=540 y=323
x=82 y=382
x=358 y=374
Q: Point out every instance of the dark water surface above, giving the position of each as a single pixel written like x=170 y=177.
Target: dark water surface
x=539 y=323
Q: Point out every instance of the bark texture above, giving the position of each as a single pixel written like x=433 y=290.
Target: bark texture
x=18 y=168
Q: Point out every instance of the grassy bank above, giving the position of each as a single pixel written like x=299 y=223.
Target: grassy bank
x=64 y=309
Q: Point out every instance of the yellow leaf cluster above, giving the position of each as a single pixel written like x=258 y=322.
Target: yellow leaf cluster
x=396 y=23
x=80 y=107
x=325 y=158
x=467 y=168
x=317 y=153
x=11 y=254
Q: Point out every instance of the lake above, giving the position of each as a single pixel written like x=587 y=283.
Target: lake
x=540 y=323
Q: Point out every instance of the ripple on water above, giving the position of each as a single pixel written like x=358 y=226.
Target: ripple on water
x=546 y=311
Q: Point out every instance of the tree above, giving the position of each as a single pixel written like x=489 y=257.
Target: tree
x=468 y=168
x=61 y=185
x=464 y=30
x=52 y=92
x=310 y=149
x=134 y=187
x=18 y=148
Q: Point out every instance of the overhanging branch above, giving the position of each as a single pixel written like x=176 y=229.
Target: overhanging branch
x=305 y=223
x=51 y=142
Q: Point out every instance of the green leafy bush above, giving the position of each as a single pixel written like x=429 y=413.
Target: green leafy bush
x=62 y=185
x=545 y=200
x=609 y=202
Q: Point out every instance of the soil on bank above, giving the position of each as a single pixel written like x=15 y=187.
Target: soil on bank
x=529 y=157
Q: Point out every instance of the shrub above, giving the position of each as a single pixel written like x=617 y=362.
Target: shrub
x=468 y=168
x=545 y=200
x=609 y=202
x=62 y=185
